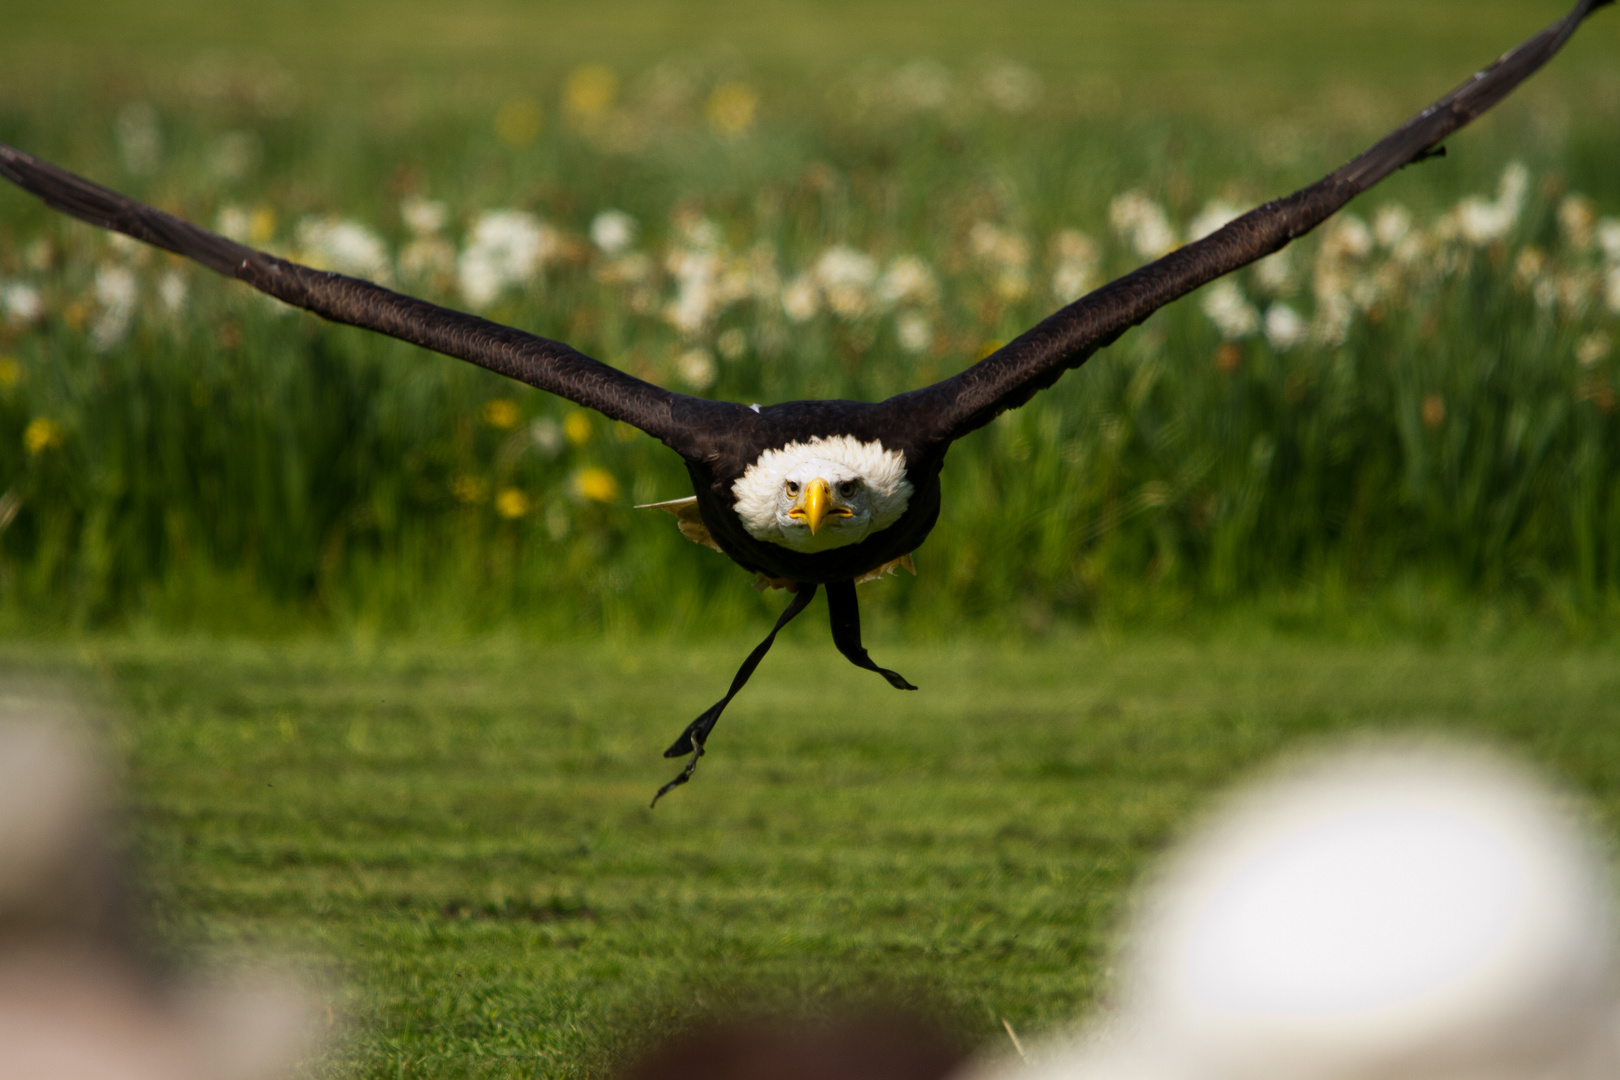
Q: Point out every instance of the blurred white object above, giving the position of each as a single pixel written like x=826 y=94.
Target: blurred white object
x=78 y=998
x=1399 y=914
x=57 y=878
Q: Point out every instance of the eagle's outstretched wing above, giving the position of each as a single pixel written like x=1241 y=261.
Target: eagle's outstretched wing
x=1010 y=376
x=688 y=425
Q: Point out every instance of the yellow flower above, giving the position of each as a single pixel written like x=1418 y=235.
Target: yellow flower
x=470 y=489
x=596 y=484
x=502 y=413
x=590 y=91
x=731 y=108
x=519 y=121
x=11 y=372
x=577 y=427
x=41 y=435
x=512 y=503
x=1434 y=411
x=262 y=225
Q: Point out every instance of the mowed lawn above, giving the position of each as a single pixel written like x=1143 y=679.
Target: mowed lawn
x=459 y=836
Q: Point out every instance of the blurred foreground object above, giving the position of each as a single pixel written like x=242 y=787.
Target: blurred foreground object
x=872 y=1045
x=78 y=999
x=1396 y=913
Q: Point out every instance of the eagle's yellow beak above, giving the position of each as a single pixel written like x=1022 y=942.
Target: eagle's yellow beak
x=815 y=503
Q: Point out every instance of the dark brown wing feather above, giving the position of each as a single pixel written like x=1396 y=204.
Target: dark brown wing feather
x=687 y=425
x=1013 y=374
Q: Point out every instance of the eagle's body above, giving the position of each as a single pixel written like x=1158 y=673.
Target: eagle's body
x=810 y=494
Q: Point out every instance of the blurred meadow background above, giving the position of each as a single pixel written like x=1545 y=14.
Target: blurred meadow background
x=396 y=654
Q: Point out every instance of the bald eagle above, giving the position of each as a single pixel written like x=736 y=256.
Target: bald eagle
x=809 y=494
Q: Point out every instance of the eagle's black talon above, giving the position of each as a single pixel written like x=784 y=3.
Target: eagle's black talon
x=692 y=740
x=844 y=611
x=696 y=733
x=682 y=777
x=896 y=680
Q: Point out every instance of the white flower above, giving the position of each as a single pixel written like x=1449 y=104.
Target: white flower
x=115 y=287
x=1284 y=327
x=801 y=300
x=480 y=279
x=22 y=302
x=1005 y=254
x=547 y=435
x=233 y=223
x=1391 y=224
x=1071 y=281
x=1334 y=313
x=1514 y=186
x=1482 y=221
x=914 y=332
x=1576 y=216
x=173 y=291
x=698 y=232
x=1214 y=216
x=908 y=280
x=1347 y=238
x=922 y=84
x=1528 y=267
x=1075 y=257
x=693 y=306
x=696 y=298
x=1592 y=348
x=1545 y=291
x=1412 y=248
x=346 y=247
x=506 y=247
x=1230 y=311
x=1142 y=223
x=1577 y=289
x=116 y=293
x=697 y=368
x=997 y=247
x=1012 y=87
x=613 y=231
x=1275 y=273
x=424 y=217
x=846 y=278
x=1608 y=238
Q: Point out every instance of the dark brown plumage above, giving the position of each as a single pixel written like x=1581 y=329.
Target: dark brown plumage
x=720 y=441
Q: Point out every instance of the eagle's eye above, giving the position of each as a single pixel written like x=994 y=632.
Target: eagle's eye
x=849 y=488
x=793 y=488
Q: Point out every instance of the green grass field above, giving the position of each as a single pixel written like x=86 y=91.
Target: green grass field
x=460 y=837
x=392 y=660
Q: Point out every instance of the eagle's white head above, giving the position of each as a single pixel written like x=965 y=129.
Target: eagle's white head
x=822 y=494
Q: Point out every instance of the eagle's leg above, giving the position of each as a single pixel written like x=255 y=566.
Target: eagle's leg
x=697 y=732
x=845 y=612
